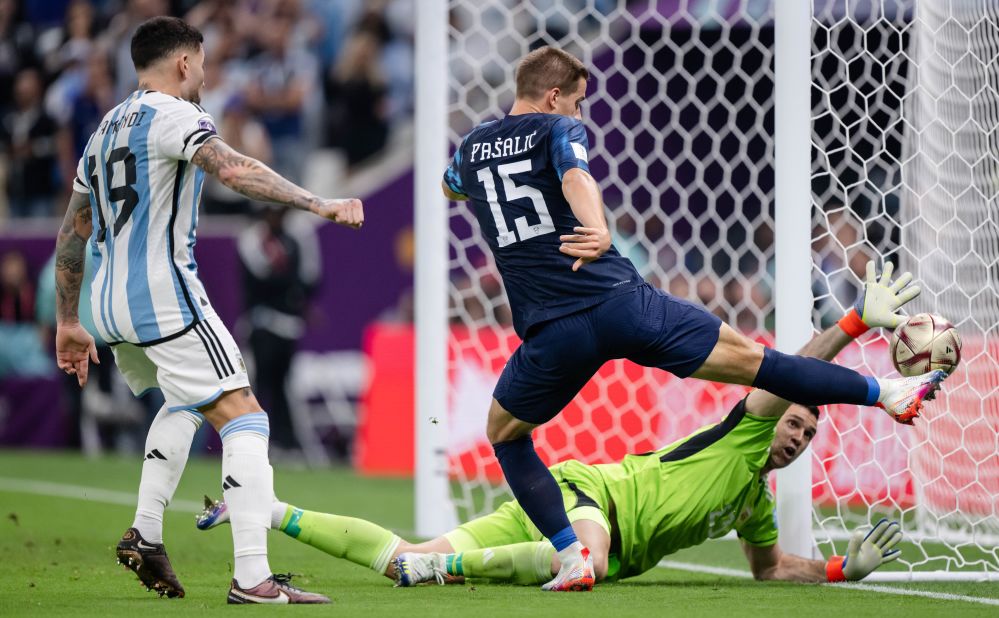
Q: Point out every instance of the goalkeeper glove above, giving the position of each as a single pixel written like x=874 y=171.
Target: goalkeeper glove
x=866 y=553
x=878 y=304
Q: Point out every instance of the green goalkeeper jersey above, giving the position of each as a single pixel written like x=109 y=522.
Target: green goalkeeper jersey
x=698 y=488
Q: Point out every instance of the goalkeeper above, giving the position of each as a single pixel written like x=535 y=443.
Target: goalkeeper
x=633 y=513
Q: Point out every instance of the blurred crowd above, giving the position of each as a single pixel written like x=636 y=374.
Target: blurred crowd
x=287 y=78
x=283 y=78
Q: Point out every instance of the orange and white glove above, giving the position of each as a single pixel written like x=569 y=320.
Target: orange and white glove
x=864 y=554
x=880 y=302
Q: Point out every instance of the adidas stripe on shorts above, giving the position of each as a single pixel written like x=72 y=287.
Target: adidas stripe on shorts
x=192 y=370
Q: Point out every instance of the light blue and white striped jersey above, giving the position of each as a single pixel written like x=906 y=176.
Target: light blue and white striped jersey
x=144 y=193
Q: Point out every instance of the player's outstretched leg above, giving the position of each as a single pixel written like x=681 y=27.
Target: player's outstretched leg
x=519 y=563
x=413 y=569
x=903 y=398
x=168 y=444
x=538 y=494
x=736 y=359
x=357 y=540
x=350 y=538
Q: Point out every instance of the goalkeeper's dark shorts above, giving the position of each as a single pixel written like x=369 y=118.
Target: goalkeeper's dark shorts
x=558 y=357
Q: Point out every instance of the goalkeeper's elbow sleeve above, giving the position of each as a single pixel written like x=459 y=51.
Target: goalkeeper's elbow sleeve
x=834 y=569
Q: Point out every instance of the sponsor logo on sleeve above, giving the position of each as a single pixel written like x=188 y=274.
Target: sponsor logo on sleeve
x=580 y=151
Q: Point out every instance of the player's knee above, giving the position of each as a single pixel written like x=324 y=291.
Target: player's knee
x=599 y=565
x=735 y=358
x=503 y=426
x=494 y=435
x=739 y=347
x=230 y=405
x=505 y=434
x=750 y=354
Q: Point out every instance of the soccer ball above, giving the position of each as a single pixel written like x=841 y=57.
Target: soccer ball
x=923 y=343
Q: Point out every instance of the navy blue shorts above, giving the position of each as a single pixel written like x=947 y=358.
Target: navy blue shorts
x=558 y=357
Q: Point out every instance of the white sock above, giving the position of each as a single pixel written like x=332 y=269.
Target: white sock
x=168 y=444
x=278 y=509
x=571 y=554
x=248 y=487
x=883 y=389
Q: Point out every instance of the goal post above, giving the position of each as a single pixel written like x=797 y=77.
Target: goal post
x=753 y=156
x=792 y=241
x=434 y=514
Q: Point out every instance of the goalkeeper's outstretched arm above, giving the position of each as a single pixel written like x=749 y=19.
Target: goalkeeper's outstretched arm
x=864 y=554
x=877 y=306
x=770 y=563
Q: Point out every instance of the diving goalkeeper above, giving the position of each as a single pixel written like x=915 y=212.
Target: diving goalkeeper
x=633 y=513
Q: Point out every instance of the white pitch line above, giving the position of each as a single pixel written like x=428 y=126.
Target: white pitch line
x=943 y=596
x=725 y=572
x=91 y=494
x=703 y=568
x=109 y=496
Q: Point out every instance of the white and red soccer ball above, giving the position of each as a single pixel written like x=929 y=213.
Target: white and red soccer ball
x=923 y=343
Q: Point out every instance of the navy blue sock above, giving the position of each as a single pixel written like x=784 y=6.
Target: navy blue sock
x=535 y=489
x=813 y=382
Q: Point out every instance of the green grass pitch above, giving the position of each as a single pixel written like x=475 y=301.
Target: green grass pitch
x=57 y=558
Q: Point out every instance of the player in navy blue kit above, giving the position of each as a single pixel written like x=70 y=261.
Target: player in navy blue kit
x=578 y=303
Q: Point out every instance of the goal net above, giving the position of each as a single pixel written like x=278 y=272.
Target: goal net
x=680 y=110
x=905 y=109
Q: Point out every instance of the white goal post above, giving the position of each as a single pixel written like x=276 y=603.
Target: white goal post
x=753 y=155
x=792 y=241
x=434 y=512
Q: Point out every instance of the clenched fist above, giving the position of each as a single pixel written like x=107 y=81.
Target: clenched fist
x=349 y=211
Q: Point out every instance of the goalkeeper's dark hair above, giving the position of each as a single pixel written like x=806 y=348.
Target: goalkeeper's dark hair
x=814 y=410
x=159 y=37
x=546 y=68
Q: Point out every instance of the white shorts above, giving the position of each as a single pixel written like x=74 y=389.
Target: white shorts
x=192 y=370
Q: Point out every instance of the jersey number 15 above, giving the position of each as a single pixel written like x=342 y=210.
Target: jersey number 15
x=514 y=191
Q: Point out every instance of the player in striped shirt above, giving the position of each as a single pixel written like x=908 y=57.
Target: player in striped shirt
x=135 y=208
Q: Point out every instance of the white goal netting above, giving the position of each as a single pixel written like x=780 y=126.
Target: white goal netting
x=680 y=111
x=905 y=113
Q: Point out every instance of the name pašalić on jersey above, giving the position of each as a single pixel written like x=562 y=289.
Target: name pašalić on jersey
x=511 y=170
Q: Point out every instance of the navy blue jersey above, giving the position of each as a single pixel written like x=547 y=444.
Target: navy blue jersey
x=511 y=170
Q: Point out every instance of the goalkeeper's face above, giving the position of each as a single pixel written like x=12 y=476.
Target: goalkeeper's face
x=795 y=431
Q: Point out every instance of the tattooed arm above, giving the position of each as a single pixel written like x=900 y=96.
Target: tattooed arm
x=70 y=249
x=256 y=181
x=74 y=345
